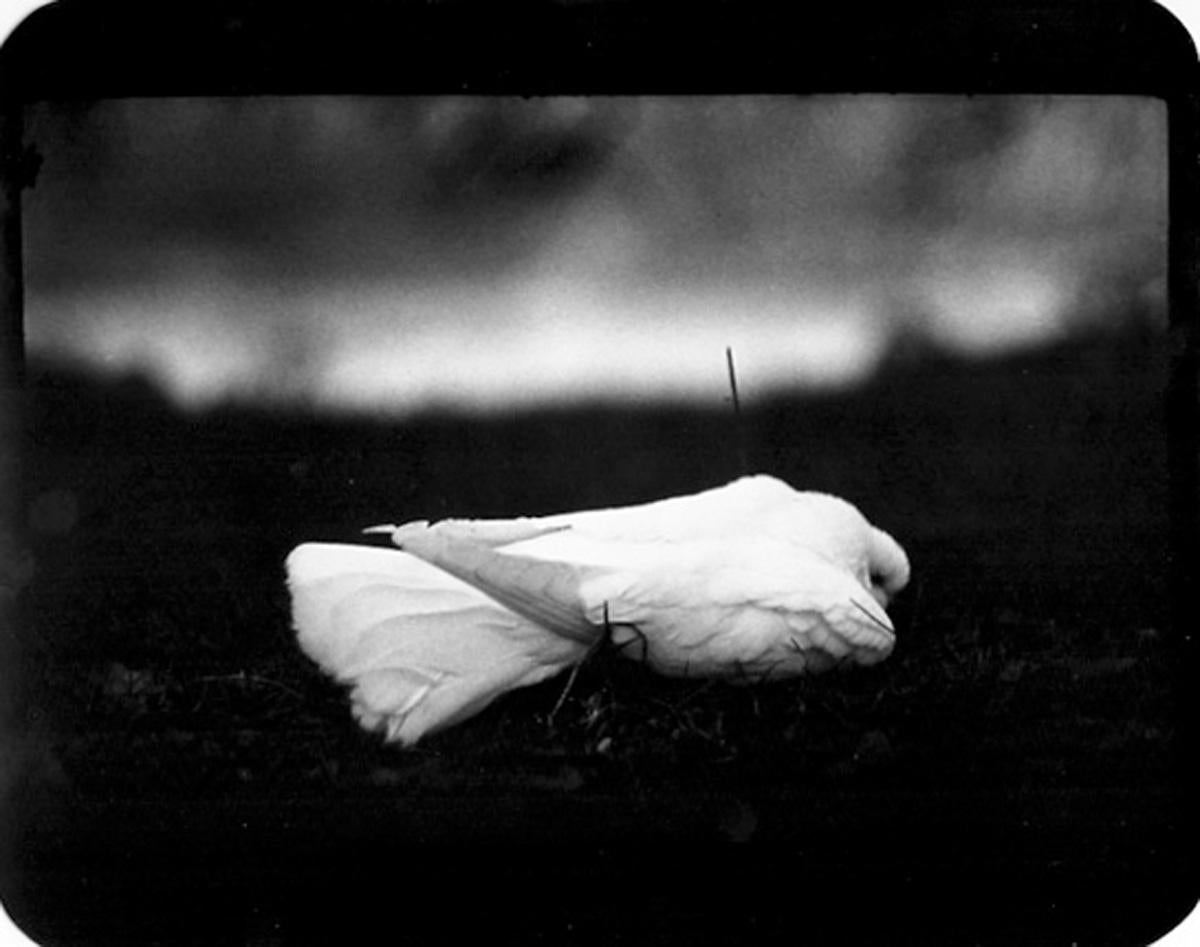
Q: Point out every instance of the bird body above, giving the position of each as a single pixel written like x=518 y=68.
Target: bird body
x=750 y=581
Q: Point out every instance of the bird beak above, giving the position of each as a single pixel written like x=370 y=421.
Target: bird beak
x=383 y=529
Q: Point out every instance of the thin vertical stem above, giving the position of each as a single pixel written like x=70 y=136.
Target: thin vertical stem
x=743 y=457
x=737 y=405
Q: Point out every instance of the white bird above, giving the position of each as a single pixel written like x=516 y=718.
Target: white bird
x=749 y=581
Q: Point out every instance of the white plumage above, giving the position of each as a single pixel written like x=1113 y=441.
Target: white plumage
x=750 y=581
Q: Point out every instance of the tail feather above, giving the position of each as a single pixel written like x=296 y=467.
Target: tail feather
x=408 y=705
x=421 y=648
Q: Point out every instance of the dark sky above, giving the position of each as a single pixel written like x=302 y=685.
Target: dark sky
x=393 y=253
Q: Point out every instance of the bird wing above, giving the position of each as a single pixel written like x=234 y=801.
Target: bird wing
x=751 y=507
x=739 y=506
x=544 y=590
x=752 y=573
x=717 y=607
x=421 y=648
x=686 y=591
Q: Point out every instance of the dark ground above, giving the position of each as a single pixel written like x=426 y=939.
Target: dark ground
x=1010 y=775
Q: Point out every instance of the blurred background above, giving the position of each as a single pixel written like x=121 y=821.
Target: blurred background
x=265 y=321
x=397 y=254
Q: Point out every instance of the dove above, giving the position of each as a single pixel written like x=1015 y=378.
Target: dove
x=750 y=581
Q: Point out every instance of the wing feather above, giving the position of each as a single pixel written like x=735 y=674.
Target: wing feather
x=545 y=591
x=421 y=648
x=753 y=577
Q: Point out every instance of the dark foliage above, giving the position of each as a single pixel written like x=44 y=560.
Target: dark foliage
x=1020 y=747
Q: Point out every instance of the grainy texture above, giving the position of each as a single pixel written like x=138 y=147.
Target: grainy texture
x=183 y=757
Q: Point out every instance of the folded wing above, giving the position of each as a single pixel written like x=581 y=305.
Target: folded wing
x=751 y=578
x=420 y=648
